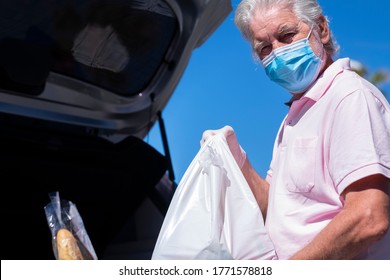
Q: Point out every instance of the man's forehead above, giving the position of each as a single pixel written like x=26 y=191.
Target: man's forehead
x=274 y=20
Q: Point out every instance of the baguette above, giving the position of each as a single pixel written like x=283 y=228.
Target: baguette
x=67 y=246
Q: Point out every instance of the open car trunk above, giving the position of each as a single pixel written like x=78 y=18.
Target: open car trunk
x=81 y=84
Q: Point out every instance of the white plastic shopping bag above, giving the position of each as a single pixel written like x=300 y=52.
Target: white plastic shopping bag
x=213 y=213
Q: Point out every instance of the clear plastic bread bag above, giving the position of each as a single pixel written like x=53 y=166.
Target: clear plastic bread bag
x=70 y=240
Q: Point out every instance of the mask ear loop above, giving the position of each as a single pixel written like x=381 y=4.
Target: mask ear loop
x=308 y=35
x=318 y=41
x=322 y=55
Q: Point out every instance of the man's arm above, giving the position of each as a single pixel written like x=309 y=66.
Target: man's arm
x=258 y=185
x=363 y=221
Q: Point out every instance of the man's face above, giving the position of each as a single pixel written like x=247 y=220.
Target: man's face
x=275 y=28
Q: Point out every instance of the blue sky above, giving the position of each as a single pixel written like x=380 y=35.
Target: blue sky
x=223 y=85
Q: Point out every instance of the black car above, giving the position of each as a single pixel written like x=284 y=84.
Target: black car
x=82 y=82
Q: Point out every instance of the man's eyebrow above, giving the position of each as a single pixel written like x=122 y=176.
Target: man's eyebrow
x=258 y=45
x=287 y=27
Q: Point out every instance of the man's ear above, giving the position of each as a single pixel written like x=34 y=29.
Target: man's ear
x=324 y=30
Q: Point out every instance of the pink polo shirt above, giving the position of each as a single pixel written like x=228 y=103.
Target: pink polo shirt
x=337 y=133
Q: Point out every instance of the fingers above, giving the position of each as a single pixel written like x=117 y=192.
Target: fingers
x=235 y=148
x=227 y=130
x=206 y=135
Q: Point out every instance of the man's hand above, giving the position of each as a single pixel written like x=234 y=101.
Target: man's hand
x=235 y=148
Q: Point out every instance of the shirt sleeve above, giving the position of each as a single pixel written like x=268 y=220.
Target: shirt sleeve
x=360 y=138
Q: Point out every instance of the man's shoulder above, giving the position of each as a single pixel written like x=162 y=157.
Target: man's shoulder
x=350 y=84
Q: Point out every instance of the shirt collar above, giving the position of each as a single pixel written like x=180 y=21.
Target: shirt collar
x=324 y=81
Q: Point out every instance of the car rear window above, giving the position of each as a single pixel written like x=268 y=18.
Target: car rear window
x=117 y=45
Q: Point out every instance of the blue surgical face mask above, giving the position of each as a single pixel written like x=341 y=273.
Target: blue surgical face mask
x=295 y=66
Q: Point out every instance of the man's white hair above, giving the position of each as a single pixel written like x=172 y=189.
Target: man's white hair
x=309 y=11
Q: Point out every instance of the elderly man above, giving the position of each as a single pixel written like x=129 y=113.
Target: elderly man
x=326 y=194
